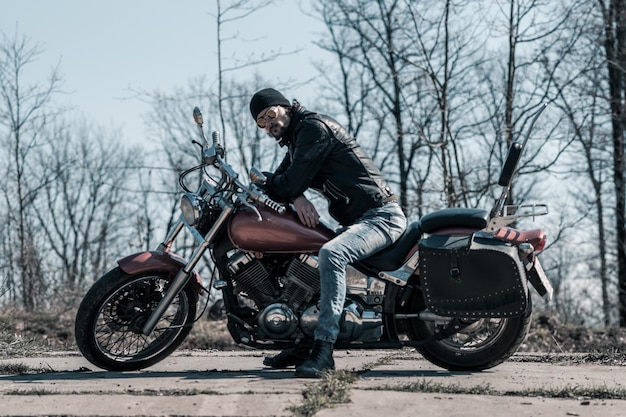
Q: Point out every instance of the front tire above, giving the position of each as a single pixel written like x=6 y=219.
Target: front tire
x=112 y=313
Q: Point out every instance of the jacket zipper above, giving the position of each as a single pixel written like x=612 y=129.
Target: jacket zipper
x=335 y=192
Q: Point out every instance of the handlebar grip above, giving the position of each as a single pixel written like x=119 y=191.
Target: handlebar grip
x=275 y=206
x=257 y=195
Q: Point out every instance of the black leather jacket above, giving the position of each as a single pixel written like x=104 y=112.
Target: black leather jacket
x=323 y=156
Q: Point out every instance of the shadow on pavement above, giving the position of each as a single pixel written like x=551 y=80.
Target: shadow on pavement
x=87 y=374
x=268 y=374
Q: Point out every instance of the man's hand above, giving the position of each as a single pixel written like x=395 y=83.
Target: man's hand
x=306 y=211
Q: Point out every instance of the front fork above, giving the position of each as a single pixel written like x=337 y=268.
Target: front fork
x=182 y=276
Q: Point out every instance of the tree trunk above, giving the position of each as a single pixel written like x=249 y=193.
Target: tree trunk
x=615 y=46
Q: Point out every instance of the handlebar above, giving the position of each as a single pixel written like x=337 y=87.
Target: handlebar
x=213 y=154
x=253 y=193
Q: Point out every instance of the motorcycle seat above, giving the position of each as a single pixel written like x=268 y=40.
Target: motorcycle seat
x=454 y=217
x=392 y=257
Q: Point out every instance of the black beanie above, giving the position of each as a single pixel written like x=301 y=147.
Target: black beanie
x=266 y=98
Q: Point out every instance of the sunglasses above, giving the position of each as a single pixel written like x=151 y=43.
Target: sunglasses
x=270 y=114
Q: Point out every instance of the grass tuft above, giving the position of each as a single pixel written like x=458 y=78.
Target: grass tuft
x=22 y=369
x=332 y=389
x=596 y=393
x=31 y=391
x=429 y=387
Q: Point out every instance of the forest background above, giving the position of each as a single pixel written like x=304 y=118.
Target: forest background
x=434 y=90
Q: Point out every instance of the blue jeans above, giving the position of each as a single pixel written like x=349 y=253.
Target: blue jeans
x=375 y=230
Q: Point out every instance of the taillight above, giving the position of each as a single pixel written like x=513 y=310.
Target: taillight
x=541 y=243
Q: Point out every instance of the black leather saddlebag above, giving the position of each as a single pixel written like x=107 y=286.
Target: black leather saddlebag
x=467 y=276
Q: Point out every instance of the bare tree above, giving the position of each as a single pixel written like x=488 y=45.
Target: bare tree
x=414 y=69
x=25 y=110
x=534 y=51
x=614 y=18
x=87 y=212
x=228 y=15
x=225 y=99
x=378 y=84
x=579 y=84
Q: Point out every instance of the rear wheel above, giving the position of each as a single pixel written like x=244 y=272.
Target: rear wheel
x=113 y=312
x=481 y=344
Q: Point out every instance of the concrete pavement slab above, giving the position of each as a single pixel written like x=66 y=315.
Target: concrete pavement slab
x=236 y=383
x=405 y=367
x=401 y=404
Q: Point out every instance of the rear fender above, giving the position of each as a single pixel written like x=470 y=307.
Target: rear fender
x=152 y=261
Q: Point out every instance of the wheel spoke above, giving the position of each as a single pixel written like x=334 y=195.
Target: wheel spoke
x=476 y=336
x=118 y=330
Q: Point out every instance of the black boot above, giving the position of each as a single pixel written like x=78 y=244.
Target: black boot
x=320 y=360
x=288 y=357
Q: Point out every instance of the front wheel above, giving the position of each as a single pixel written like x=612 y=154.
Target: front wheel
x=113 y=312
x=482 y=344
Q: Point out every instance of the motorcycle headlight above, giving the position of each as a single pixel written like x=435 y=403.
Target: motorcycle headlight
x=192 y=207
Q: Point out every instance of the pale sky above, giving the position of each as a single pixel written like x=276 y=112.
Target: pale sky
x=107 y=48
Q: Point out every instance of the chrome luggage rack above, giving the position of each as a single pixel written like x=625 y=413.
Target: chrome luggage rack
x=511 y=213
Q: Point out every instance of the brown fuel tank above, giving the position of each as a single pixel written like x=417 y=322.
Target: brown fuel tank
x=276 y=233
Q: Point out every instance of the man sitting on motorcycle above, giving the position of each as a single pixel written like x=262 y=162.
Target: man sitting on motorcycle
x=321 y=155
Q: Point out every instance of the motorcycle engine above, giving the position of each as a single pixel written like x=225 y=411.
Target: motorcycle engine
x=253 y=277
x=286 y=298
x=250 y=276
x=302 y=281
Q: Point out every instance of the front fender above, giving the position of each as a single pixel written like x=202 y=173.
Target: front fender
x=151 y=261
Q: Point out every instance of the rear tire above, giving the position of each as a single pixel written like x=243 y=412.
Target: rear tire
x=112 y=313
x=481 y=345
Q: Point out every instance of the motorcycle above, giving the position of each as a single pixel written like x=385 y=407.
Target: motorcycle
x=454 y=286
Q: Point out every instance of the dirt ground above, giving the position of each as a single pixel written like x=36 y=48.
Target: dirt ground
x=54 y=332
x=548 y=335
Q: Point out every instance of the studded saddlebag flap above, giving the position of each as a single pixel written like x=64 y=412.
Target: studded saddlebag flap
x=466 y=276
